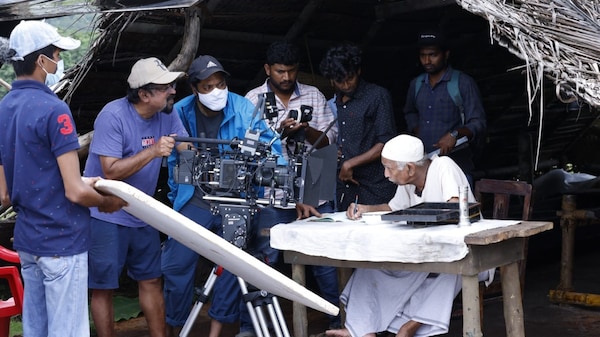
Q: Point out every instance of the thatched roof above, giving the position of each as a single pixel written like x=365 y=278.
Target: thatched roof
x=237 y=32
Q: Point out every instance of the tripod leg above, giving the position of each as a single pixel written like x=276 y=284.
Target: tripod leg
x=280 y=318
x=256 y=315
x=255 y=302
x=202 y=298
x=276 y=327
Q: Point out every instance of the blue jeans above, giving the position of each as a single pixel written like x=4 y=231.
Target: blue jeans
x=55 y=302
x=179 y=268
x=325 y=276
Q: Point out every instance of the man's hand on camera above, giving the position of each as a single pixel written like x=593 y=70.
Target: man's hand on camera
x=304 y=211
x=290 y=126
x=164 y=146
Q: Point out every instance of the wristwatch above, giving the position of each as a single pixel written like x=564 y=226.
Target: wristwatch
x=454 y=133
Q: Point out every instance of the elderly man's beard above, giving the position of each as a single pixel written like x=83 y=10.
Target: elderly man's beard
x=169 y=107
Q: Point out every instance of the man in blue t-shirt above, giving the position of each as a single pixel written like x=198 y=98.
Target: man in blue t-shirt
x=131 y=136
x=40 y=176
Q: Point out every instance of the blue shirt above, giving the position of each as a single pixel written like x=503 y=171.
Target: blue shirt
x=37 y=127
x=435 y=113
x=120 y=132
x=237 y=118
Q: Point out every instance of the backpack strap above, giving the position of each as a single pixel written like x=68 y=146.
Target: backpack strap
x=454 y=92
x=418 y=84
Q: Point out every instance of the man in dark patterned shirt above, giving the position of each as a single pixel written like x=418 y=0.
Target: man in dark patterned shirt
x=366 y=122
x=438 y=119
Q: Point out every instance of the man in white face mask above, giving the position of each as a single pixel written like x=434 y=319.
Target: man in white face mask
x=210 y=112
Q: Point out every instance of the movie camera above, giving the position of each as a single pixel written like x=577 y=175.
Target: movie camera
x=232 y=174
x=237 y=169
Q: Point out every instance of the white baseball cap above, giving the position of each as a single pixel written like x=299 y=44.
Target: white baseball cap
x=403 y=148
x=151 y=70
x=30 y=36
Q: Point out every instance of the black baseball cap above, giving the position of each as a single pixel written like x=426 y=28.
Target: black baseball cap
x=431 y=38
x=203 y=67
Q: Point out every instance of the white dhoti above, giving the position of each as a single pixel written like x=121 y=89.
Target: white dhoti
x=384 y=300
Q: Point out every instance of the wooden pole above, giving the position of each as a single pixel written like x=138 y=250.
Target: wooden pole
x=191 y=40
x=5 y=84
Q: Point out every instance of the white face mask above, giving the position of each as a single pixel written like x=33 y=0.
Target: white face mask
x=53 y=78
x=214 y=100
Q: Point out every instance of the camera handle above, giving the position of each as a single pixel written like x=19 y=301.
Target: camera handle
x=232 y=142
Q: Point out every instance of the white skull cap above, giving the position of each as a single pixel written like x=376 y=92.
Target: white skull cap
x=403 y=148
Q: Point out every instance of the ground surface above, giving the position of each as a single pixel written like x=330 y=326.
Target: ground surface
x=542 y=318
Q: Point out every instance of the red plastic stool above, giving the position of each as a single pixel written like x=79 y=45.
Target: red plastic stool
x=14 y=305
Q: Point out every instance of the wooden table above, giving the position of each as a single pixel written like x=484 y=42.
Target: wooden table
x=499 y=247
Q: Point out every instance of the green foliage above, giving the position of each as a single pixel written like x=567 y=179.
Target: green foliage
x=16 y=327
x=126 y=307
x=77 y=26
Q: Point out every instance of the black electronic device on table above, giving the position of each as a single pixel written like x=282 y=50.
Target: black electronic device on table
x=432 y=213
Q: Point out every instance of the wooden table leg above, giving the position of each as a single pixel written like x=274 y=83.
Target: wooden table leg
x=471 y=311
x=511 y=299
x=300 y=320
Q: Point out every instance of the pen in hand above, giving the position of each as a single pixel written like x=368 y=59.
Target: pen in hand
x=356 y=204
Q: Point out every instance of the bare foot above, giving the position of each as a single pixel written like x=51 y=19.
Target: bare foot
x=409 y=329
x=338 y=333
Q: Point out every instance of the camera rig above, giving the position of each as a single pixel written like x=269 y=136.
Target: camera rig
x=235 y=172
x=232 y=174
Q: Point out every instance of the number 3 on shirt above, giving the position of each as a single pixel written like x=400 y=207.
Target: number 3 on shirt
x=65 y=120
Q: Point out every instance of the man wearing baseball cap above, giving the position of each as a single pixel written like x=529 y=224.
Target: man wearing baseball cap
x=40 y=176
x=403 y=302
x=29 y=36
x=131 y=136
x=444 y=104
x=212 y=111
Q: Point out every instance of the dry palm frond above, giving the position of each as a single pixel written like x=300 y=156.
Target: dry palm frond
x=108 y=26
x=558 y=39
x=561 y=37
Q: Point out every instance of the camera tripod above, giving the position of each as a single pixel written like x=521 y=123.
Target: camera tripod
x=260 y=304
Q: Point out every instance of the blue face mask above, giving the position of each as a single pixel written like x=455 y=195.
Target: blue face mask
x=52 y=79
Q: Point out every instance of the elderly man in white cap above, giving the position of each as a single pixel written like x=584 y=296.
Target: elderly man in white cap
x=404 y=302
x=40 y=176
x=131 y=136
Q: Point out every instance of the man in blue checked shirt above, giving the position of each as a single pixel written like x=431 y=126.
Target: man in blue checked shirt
x=444 y=104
